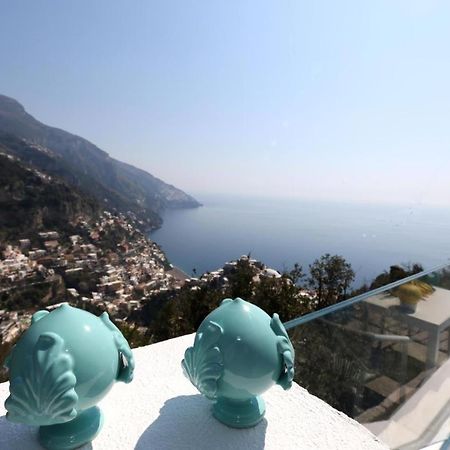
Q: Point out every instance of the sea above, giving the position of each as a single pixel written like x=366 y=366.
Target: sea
x=281 y=232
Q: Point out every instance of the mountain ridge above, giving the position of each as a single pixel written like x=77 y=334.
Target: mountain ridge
x=117 y=184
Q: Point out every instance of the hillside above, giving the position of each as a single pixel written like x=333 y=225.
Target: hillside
x=119 y=185
x=31 y=201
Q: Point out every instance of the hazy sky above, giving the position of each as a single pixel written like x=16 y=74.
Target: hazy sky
x=346 y=100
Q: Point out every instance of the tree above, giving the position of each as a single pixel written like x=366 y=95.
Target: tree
x=241 y=280
x=279 y=295
x=184 y=312
x=330 y=277
x=295 y=274
x=395 y=273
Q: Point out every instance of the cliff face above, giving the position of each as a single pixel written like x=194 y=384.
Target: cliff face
x=116 y=184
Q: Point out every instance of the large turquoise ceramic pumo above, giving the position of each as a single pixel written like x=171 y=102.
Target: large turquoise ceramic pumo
x=62 y=366
x=239 y=352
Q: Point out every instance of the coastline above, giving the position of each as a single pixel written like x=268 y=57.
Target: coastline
x=370 y=238
x=178 y=274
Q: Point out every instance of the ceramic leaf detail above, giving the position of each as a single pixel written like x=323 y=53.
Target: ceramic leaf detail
x=126 y=355
x=44 y=394
x=203 y=363
x=286 y=350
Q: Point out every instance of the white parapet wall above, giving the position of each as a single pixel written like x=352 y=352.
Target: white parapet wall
x=161 y=410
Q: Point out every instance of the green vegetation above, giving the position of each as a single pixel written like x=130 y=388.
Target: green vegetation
x=331 y=363
x=440 y=278
x=331 y=278
x=30 y=202
x=30 y=297
x=132 y=334
x=395 y=273
x=177 y=313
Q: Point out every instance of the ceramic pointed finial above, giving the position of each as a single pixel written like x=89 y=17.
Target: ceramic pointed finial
x=239 y=352
x=62 y=366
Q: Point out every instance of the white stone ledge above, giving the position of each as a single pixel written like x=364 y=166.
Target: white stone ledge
x=161 y=410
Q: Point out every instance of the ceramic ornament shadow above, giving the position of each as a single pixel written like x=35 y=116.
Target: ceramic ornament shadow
x=62 y=366
x=239 y=352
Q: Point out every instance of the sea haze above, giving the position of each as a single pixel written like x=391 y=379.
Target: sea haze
x=282 y=232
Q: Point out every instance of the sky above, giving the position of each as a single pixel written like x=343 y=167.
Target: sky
x=345 y=101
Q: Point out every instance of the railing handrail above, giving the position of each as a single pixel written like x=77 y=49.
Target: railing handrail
x=369 y=334
x=351 y=301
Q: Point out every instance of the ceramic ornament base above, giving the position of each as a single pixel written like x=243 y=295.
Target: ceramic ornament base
x=239 y=414
x=71 y=435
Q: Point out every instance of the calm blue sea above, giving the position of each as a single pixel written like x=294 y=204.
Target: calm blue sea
x=282 y=232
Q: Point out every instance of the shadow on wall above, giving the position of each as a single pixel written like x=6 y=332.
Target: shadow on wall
x=178 y=427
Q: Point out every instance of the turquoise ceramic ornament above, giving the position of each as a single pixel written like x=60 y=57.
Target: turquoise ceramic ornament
x=62 y=366
x=239 y=352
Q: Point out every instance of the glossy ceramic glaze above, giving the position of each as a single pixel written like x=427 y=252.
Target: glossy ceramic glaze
x=64 y=364
x=239 y=352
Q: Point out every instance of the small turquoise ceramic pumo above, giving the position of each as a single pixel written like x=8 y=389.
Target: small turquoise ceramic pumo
x=239 y=352
x=62 y=366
